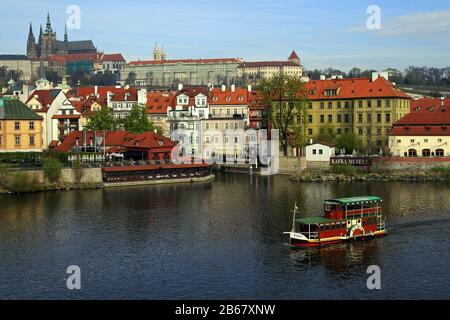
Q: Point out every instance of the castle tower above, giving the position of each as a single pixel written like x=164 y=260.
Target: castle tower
x=31 y=44
x=163 y=53
x=156 y=53
x=294 y=57
x=48 y=40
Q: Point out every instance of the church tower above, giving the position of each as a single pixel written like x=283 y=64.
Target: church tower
x=31 y=44
x=156 y=53
x=48 y=40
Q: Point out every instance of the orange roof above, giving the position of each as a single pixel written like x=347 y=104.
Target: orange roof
x=423 y=124
x=293 y=55
x=353 y=88
x=215 y=60
x=116 y=57
x=158 y=102
x=430 y=105
x=238 y=97
x=45 y=98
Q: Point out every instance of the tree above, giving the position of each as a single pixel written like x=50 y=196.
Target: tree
x=131 y=79
x=137 y=120
x=354 y=73
x=52 y=76
x=101 y=120
x=327 y=134
x=286 y=97
x=52 y=169
x=348 y=142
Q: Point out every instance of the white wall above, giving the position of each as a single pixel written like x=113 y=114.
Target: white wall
x=322 y=152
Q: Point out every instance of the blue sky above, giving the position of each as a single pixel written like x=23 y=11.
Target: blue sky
x=324 y=33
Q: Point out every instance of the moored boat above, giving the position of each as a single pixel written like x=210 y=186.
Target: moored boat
x=344 y=219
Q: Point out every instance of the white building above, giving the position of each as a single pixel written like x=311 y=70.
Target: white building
x=319 y=152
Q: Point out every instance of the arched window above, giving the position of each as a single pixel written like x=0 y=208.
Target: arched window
x=412 y=153
x=439 y=152
x=426 y=152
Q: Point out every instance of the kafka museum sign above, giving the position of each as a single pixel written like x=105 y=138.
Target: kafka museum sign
x=354 y=161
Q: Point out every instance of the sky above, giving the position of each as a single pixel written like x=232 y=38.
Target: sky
x=324 y=33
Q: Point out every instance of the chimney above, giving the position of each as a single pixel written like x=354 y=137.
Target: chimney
x=322 y=77
x=180 y=86
x=108 y=98
x=95 y=90
x=233 y=88
x=249 y=88
x=224 y=88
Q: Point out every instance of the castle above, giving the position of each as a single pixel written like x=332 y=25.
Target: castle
x=47 y=44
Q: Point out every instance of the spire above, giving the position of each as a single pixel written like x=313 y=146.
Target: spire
x=49 y=24
x=30 y=33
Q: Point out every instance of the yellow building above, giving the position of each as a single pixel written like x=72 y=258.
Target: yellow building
x=421 y=134
x=20 y=127
x=365 y=107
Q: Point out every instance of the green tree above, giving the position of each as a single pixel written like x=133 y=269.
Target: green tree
x=327 y=134
x=286 y=97
x=101 y=120
x=52 y=169
x=137 y=120
x=348 y=142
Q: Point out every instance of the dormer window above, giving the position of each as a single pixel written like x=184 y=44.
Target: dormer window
x=228 y=99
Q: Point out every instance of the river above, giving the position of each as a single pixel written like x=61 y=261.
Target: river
x=219 y=240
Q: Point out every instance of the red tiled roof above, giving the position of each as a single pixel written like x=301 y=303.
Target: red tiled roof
x=158 y=102
x=293 y=55
x=353 y=88
x=116 y=57
x=430 y=105
x=127 y=95
x=238 y=97
x=422 y=124
x=118 y=138
x=45 y=98
x=215 y=60
x=261 y=64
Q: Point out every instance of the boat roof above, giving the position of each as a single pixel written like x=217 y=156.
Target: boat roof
x=314 y=220
x=355 y=200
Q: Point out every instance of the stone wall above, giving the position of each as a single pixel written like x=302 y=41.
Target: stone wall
x=292 y=165
x=413 y=164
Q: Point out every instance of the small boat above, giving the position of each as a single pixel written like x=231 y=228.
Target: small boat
x=344 y=219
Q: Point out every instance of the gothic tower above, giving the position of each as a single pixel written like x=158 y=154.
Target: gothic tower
x=48 y=40
x=31 y=44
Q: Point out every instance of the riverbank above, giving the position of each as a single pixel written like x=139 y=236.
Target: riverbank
x=317 y=175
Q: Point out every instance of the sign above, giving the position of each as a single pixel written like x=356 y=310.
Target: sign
x=354 y=161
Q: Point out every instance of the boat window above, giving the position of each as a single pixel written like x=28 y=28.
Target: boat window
x=333 y=226
x=344 y=224
x=327 y=227
x=322 y=227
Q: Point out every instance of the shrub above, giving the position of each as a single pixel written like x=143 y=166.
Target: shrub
x=346 y=169
x=52 y=169
x=18 y=182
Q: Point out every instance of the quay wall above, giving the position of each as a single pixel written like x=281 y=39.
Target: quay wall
x=162 y=181
x=410 y=164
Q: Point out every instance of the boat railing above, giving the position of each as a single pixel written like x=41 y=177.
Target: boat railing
x=365 y=211
x=311 y=235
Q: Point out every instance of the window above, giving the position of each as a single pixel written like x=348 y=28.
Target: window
x=388 y=103
x=339 y=104
x=339 y=118
x=32 y=140
x=17 y=141
x=310 y=119
x=339 y=131
x=320 y=151
x=378 y=117
x=216 y=126
x=314 y=151
x=322 y=105
x=347 y=104
x=330 y=118
x=360 y=117
x=369 y=104
x=17 y=125
x=360 y=104
x=346 y=118
x=322 y=118
x=379 y=103
x=236 y=139
x=369 y=118
x=310 y=105
x=330 y=105
x=388 y=117
x=360 y=131
x=310 y=131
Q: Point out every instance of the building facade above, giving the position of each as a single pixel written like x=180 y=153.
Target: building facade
x=421 y=134
x=20 y=127
x=361 y=106
x=172 y=72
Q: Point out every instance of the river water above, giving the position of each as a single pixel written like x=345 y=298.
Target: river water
x=219 y=240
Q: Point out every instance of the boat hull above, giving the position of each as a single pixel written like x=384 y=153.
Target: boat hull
x=295 y=242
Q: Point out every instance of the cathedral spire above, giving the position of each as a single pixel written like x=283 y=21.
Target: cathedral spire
x=30 y=33
x=49 y=24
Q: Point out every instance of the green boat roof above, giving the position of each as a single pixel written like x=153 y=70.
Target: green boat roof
x=354 y=200
x=314 y=220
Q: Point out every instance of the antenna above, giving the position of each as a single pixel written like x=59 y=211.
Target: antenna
x=293 y=218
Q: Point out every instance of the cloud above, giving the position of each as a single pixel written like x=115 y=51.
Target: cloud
x=436 y=23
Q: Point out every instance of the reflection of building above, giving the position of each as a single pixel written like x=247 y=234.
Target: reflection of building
x=20 y=127
x=423 y=134
x=364 y=107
